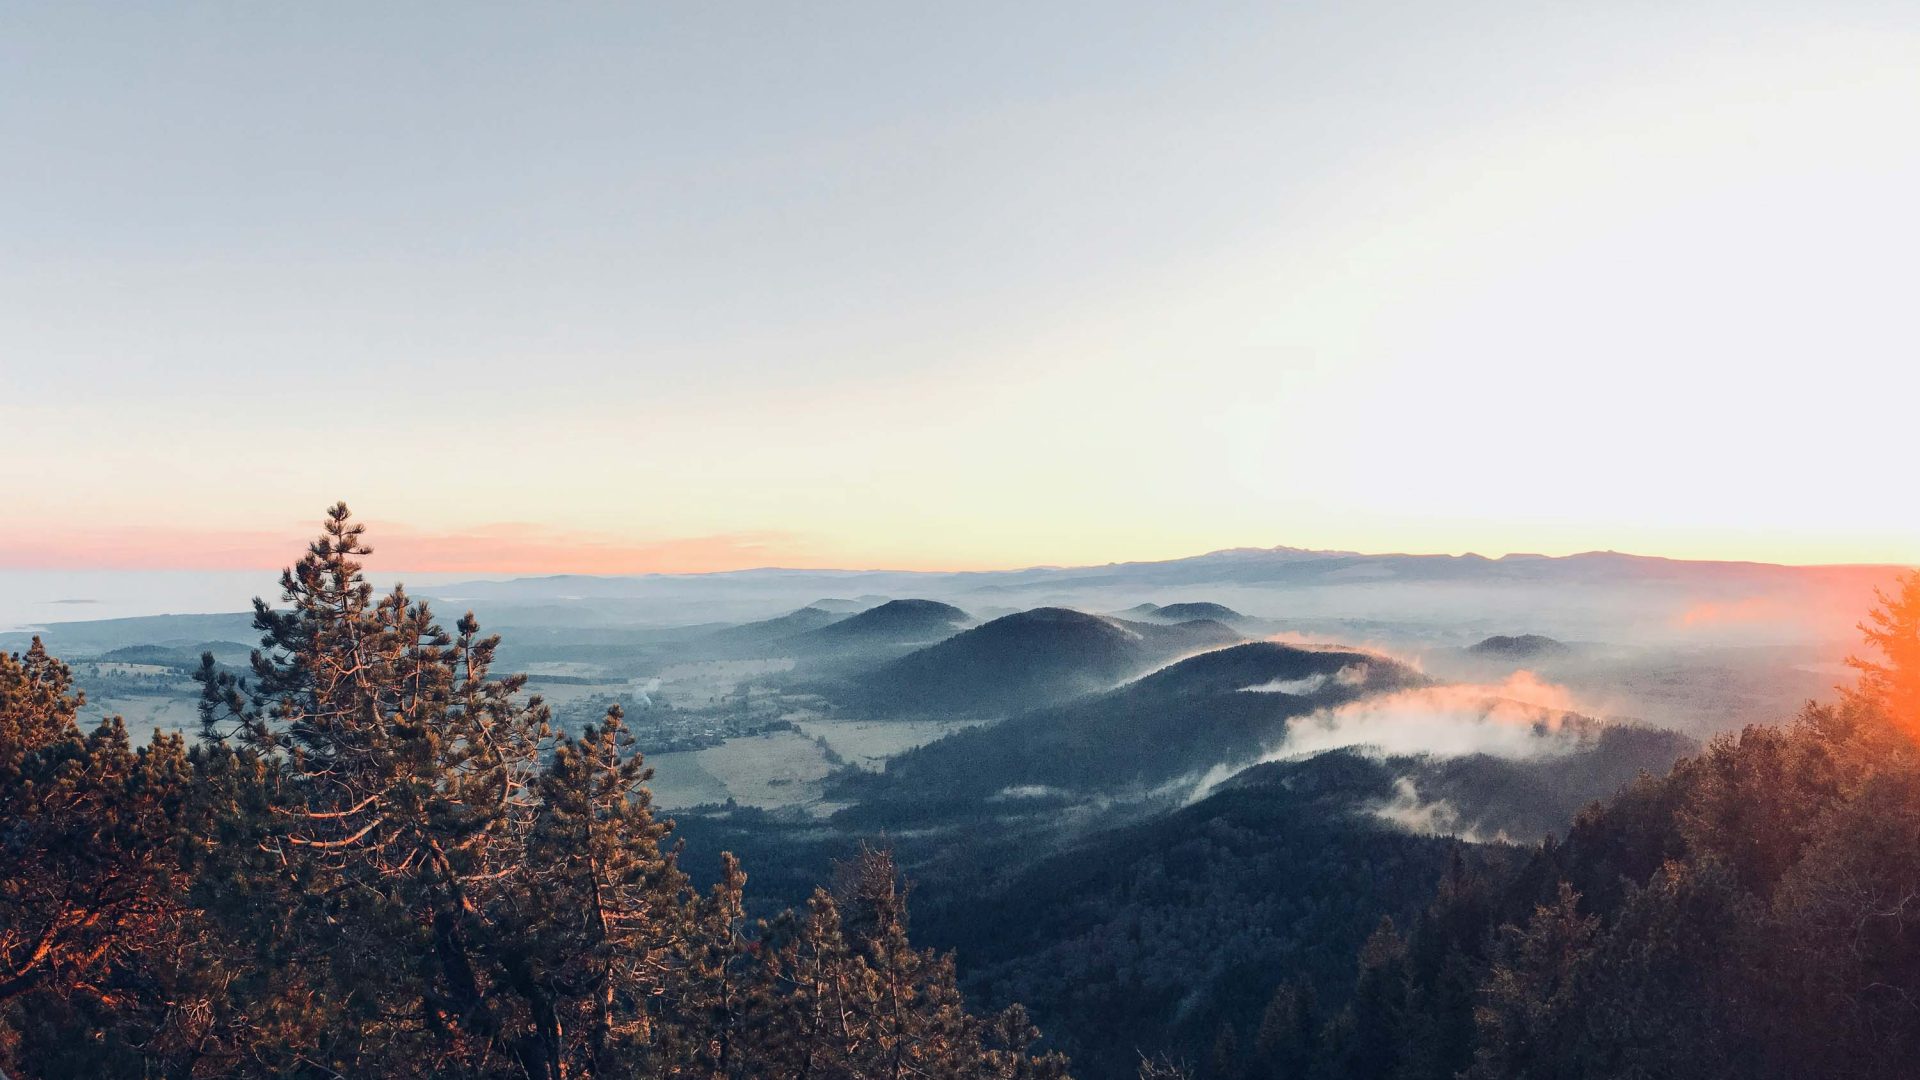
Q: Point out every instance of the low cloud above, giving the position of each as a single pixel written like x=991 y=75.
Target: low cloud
x=1428 y=817
x=1311 y=643
x=1350 y=676
x=1435 y=817
x=1520 y=718
x=1752 y=609
x=1029 y=791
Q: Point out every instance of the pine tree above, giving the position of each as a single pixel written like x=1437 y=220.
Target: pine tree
x=844 y=995
x=1534 y=986
x=1225 y=1063
x=1446 y=959
x=406 y=776
x=807 y=1026
x=1892 y=683
x=1367 y=1040
x=1288 y=1039
x=90 y=874
x=915 y=1021
x=607 y=907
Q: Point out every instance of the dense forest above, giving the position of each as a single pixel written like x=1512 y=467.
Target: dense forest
x=380 y=859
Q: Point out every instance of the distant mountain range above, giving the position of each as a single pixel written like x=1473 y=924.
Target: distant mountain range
x=1592 y=596
x=1265 y=566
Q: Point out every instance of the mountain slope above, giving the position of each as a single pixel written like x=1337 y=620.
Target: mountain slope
x=768 y=634
x=872 y=637
x=1141 y=939
x=1172 y=724
x=1482 y=796
x=1150 y=935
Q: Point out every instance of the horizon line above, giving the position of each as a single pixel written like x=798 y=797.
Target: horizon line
x=478 y=574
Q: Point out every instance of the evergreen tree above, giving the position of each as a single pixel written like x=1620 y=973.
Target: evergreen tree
x=1892 y=683
x=406 y=776
x=848 y=997
x=90 y=878
x=1225 y=1059
x=1446 y=959
x=1525 y=1027
x=1288 y=1039
x=1367 y=1040
x=605 y=927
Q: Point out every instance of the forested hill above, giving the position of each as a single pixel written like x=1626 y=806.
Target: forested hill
x=1177 y=722
x=1027 y=660
x=1149 y=938
x=1154 y=935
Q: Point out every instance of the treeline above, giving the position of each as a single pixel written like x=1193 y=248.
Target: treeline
x=1753 y=914
x=381 y=860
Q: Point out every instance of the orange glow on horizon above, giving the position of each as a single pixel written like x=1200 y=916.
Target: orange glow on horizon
x=1748 y=610
x=486 y=549
x=522 y=548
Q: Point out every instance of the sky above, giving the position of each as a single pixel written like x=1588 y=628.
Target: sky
x=682 y=287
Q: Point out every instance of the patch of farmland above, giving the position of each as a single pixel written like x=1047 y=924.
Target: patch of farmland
x=867 y=744
x=146 y=714
x=777 y=769
x=679 y=780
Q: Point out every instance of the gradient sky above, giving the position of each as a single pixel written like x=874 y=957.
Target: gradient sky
x=694 y=286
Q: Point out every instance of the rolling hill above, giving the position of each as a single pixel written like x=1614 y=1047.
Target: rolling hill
x=843 y=606
x=184 y=657
x=1199 y=610
x=1138 y=739
x=768 y=635
x=1027 y=660
x=892 y=623
x=1520 y=647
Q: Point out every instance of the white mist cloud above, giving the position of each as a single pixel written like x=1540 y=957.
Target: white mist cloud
x=1028 y=791
x=1350 y=676
x=1520 y=718
x=1407 y=809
